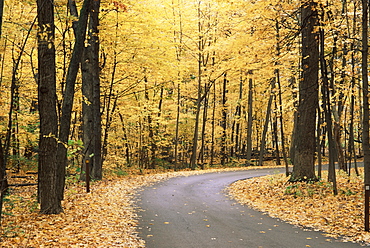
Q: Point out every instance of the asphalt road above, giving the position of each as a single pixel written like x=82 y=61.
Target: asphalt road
x=195 y=212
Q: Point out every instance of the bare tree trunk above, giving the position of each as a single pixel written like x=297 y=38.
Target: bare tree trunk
x=177 y=128
x=265 y=127
x=281 y=120
x=197 y=114
x=50 y=202
x=365 y=94
x=238 y=116
x=3 y=179
x=250 y=122
x=351 y=145
x=125 y=138
x=97 y=169
x=305 y=141
x=327 y=112
x=1 y=16
x=213 y=126
x=224 y=123
x=318 y=144
x=68 y=97
x=202 y=146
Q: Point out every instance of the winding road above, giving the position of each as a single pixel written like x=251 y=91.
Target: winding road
x=195 y=212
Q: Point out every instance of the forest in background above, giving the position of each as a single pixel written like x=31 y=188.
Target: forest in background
x=187 y=84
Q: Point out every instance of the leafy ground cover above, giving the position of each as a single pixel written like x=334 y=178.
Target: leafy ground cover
x=311 y=205
x=106 y=217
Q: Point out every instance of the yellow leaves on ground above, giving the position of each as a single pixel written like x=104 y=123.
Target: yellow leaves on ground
x=308 y=204
x=105 y=217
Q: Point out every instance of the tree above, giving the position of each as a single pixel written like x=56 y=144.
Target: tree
x=1 y=15
x=91 y=93
x=50 y=203
x=3 y=179
x=267 y=121
x=304 y=142
x=68 y=96
x=365 y=96
x=250 y=120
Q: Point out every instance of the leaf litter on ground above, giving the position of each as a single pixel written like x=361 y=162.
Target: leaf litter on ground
x=309 y=204
x=107 y=216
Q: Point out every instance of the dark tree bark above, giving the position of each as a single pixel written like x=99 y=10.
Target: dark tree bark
x=292 y=82
x=201 y=43
x=304 y=142
x=365 y=92
x=176 y=148
x=250 y=122
x=327 y=113
x=68 y=97
x=238 y=114
x=203 y=132
x=351 y=142
x=91 y=91
x=50 y=203
x=223 y=122
x=265 y=127
x=1 y=16
x=213 y=141
x=125 y=140
x=3 y=179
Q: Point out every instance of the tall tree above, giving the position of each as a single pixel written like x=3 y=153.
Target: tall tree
x=68 y=97
x=224 y=121
x=1 y=16
x=365 y=99
x=91 y=92
x=304 y=142
x=267 y=121
x=50 y=203
x=3 y=179
x=250 y=120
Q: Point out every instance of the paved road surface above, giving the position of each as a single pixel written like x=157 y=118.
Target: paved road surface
x=194 y=212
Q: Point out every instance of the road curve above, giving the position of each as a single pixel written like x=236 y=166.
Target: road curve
x=194 y=212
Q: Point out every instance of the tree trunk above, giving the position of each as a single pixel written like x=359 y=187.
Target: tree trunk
x=3 y=179
x=203 y=132
x=50 y=202
x=177 y=127
x=318 y=143
x=1 y=16
x=305 y=143
x=351 y=145
x=282 y=133
x=213 y=127
x=265 y=127
x=224 y=122
x=91 y=93
x=327 y=113
x=292 y=82
x=193 y=157
x=68 y=97
x=365 y=94
x=125 y=140
x=238 y=116
x=250 y=122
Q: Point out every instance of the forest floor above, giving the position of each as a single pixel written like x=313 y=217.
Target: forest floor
x=310 y=205
x=106 y=216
